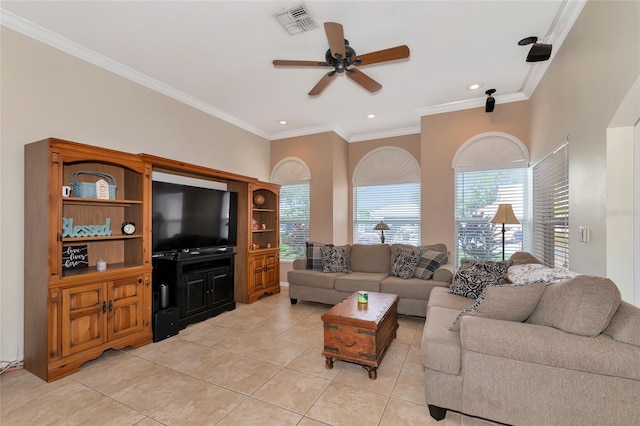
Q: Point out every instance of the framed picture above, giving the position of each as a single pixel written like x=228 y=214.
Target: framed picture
x=75 y=257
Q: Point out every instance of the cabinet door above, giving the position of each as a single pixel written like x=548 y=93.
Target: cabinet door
x=256 y=271
x=125 y=307
x=83 y=318
x=220 y=291
x=271 y=272
x=193 y=294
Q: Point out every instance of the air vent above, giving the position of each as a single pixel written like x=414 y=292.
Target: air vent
x=296 y=20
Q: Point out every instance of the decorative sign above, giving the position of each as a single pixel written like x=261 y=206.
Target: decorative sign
x=102 y=190
x=78 y=231
x=75 y=257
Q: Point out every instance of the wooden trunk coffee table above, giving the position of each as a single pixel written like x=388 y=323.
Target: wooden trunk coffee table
x=360 y=333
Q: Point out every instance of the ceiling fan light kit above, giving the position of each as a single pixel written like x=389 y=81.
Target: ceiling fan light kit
x=539 y=51
x=340 y=56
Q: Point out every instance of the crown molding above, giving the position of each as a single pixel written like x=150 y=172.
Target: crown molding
x=471 y=103
x=28 y=28
x=385 y=134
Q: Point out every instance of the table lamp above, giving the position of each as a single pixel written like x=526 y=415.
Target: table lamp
x=381 y=227
x=504 y=215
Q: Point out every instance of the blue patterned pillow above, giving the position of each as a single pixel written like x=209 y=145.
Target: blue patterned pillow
x=474 y=275
x=335 y=259
x=405 y=262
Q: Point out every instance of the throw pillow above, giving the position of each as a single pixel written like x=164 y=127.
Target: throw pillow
x=404 y=262
x=474 y=275
x=583 y=305
x=533 y=272
x=335 y=259
x=429 y=261
x=514 y=302
x=314 y=258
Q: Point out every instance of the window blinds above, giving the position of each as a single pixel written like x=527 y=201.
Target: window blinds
x=398 y=205
x=551 y=209
x=477 y=195
x=294 y=220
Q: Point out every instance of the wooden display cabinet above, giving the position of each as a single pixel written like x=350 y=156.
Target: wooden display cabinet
x=73 y=315
x=263 y=275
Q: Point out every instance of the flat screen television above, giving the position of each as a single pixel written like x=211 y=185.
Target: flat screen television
x=192 y=218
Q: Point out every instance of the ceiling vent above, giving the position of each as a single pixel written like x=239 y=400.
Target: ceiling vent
x=296 y=20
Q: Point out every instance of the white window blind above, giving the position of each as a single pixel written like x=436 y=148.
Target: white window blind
x=477 y=195
x=294 y=220
x=550 y=200
x=398 y=205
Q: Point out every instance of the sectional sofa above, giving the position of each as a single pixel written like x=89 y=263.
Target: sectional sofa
x=566 y=353
x=369 y=269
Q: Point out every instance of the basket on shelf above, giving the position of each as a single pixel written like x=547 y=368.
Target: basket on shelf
x=88 y=189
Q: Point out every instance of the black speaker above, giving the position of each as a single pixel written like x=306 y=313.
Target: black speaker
x=490 y=105
x=166 y=323
x=539 y=52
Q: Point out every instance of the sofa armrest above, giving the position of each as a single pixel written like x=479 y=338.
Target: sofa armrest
x=444 y=273
x=300 y=263
x=549 y=346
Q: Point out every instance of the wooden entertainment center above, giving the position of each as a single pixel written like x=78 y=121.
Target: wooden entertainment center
x=88 y=282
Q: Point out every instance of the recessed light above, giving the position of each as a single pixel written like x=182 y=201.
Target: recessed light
x=371 y=116
x=474 y=86
x=283 y=122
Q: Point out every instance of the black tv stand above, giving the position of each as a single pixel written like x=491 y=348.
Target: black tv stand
x=200 y=286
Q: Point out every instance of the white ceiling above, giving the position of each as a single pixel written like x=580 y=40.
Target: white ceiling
x=216 y=56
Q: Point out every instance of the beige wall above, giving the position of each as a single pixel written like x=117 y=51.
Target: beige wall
x=325 y=155
x=442 y=135
x=48 y=93
x=583 y=88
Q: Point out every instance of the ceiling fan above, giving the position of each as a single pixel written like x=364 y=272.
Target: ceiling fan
x=341 y=56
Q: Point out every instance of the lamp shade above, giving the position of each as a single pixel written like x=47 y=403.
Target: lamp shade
x=381 y=226
x=505 y=215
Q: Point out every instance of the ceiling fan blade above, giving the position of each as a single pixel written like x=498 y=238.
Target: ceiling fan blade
x=335 y=37
x=285 y=63
x=364 y=80
x=324 y=82
x=391 y=54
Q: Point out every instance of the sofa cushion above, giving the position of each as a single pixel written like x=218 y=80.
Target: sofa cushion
x=314 y=257
x=441 y=297
x=523 y=257
x=357 y=281
x=441 y=349
x=412 y=288
x=474 y=275
x=583 y=305
x=335 y=259
x=625 y=325
x=444 y=273
x=404 y=262
x=370 y=258
x=513 y=302
x=534 y=272
x=312 y=278
x=429 y=262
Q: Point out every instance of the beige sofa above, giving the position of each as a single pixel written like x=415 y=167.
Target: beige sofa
x=574 y=361
x=370 y=266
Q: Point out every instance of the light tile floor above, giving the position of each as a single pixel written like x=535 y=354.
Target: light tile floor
x=260 y=364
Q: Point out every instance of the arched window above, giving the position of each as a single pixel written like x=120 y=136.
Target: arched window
x=294 y=178
x=386 y=188
x=490 y=169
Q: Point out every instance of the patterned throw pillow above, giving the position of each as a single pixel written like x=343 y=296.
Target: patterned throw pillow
x=314 y=258
x=513 y=302
x=335 y=259
x=405 y=262
x=474 y=275
x=429 y=261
